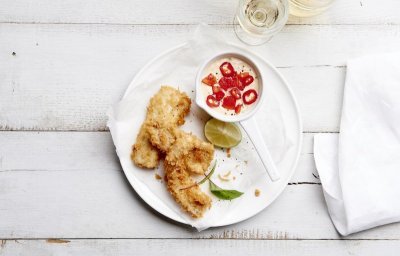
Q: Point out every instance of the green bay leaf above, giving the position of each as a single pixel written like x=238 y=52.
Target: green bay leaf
x=224 y=194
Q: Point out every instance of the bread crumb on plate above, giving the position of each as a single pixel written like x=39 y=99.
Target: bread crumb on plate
x=158 y=177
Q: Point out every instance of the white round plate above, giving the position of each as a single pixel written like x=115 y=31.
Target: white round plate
x=287 y=162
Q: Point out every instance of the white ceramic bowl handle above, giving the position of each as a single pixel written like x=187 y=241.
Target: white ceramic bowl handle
x=251 y=128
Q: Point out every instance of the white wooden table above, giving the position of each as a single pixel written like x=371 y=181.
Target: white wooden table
x=64 y=62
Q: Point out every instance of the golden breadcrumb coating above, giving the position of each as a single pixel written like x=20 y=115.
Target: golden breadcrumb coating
x=188 y=155
x=168 y=107
x=195 y=154
x=143 y=153
x=185 y=153
x=162 y=137
x=192 y=199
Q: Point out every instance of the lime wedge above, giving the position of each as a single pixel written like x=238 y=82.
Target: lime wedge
x=221 y=134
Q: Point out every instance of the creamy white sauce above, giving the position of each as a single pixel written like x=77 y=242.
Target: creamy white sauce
x=239 y=66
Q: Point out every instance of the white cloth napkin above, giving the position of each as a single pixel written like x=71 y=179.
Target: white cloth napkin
x=360 y=167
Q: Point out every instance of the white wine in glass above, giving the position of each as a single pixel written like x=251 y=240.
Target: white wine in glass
x=308 y=8
x=257 y=21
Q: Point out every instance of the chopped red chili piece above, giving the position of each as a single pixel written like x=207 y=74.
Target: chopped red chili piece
x=240 y=85
x=229 y=102
x=209 y=80
x=235 y=92
x=227 y=69
x=243 y=75
x=219 y=95
x=216 y=88
x=212 y=102
x=244 y=79
x=247 y=80
x=250 y=96
x=228 y=82
x=238 y=108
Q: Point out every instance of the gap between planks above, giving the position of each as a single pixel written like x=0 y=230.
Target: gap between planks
x=67 y=240
x=185 y=24
x=54 y=170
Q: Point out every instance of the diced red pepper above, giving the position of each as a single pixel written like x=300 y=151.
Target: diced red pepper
x=248 y=80
x=240 y=85
x=250 y=96
x=219 y=95
x=238 y=108
x=209 y=80
x=227 y=69
x=243 y=79
x=243 y=75
x=229 y=102
x=216 y=88
x=235 y=92
x=218 y=92
x=212 y=102
x=228 y=82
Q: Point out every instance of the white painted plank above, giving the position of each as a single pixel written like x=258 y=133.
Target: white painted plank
x=199 y=247
x=181 y=12
x=65 y=77
x=75 y=151
x=296 y=45
x=319 y=93
x=62 y=151
x=71 y=193
x=101 y=204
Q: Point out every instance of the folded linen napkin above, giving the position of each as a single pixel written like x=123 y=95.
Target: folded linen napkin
x=360 y=168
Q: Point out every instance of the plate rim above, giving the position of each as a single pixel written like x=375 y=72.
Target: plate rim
x=137 y=186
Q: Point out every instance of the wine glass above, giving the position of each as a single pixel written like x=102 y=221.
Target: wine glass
x=308 y=8
x=257 y=21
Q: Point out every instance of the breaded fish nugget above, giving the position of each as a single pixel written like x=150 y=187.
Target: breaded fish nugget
x=143 y=153
x=185 y=153
x=162 y=137
x=195 y=154
x=188 y=155
x=189 y=197
x=167 y=108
